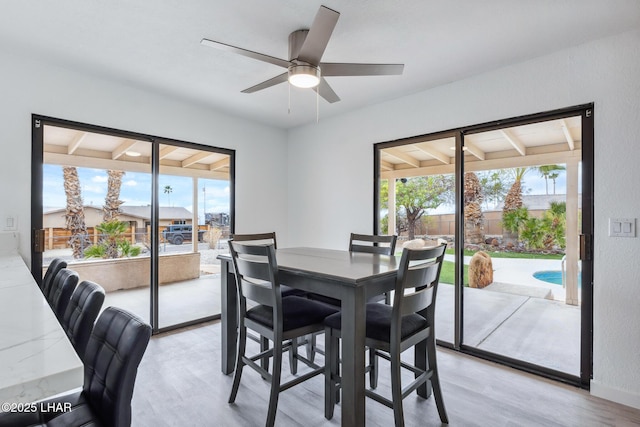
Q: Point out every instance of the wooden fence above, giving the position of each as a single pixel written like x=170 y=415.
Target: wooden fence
x=58 y=238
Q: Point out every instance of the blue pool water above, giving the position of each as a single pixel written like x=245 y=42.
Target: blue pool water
x=552 y=276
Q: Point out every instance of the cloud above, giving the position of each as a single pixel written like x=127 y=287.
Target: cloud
x=100 y=178
x=131 y=183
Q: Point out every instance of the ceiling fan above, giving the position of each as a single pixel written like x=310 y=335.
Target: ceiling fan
x=304 y=68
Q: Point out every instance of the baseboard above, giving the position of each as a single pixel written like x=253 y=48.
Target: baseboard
x=615 y=395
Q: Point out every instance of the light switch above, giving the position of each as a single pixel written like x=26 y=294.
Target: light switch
x=622 y=227
x=10 y=223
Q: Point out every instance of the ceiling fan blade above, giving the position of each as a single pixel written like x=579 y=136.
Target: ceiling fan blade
x=248 y=53
x=319 y=34
x=346 y=69
x=271 y=82
x=325 y=91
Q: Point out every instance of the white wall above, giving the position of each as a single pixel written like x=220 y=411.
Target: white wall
x=331 y=170
x=31 y=87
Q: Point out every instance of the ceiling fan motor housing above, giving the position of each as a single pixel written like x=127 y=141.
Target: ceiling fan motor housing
x=296 y=39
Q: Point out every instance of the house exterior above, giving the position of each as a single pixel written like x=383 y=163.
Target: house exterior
x=138 y=216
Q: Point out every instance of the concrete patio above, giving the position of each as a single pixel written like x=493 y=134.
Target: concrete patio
x=537 y=330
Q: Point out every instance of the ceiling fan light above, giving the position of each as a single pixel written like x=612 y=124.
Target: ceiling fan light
x=304 y=76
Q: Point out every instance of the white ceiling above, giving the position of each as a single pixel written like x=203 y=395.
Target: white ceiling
x=156 y=44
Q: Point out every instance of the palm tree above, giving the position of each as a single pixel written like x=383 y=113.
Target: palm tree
x=513 y=199
x=553 y=176
x=548 y=171
x=473 y=216
x=112 y=200
x=513 y=202
x=75 y=212
x=113 y=243
x=168 y=190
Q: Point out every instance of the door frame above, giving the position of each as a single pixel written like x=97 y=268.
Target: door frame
x=586 y=112
x=37 y=161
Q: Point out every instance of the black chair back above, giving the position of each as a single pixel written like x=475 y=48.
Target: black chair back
x=417 y=283
x=55 y=266
x=256 y=274
x=81 y=313
x=383 y=245
x=256 y=238
x=115 y=349
x=60 y=293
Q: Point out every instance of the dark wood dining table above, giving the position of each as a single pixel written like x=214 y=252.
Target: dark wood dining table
x=348 y=276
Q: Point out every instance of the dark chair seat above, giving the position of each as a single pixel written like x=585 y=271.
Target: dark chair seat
x=288 y=291
x=297 y=312
x=378 y=322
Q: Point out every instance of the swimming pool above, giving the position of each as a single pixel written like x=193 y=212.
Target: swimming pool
x=552 y=276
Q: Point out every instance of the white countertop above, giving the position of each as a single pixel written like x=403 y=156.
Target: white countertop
x=37 y=359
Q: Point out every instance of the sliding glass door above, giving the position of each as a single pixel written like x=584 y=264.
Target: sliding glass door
x=144 y=218
x=521 y=234
x=513 y=201
x=193 y=227
x=416 y=198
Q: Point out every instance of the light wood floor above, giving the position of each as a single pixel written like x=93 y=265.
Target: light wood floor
x=179 y=383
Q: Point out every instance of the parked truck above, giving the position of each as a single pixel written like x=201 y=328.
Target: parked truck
x=178 y=233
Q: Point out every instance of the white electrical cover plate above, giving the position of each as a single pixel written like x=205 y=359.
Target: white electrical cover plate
x=622 y=227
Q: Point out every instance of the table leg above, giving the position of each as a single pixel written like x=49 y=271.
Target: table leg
x=228 y=317
x=352 y=372
x=422 y=362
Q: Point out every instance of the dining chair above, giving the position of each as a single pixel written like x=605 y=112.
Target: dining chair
x=55 y=266
x=280 y=319
x=81 y=313
x=266 y=238
x=115 y=349
x=374 y=244
x=390 y=330
x=61 y=290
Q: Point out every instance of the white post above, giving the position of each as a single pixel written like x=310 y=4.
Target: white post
x=194 y=220
x=572 y=232
x=391 y=230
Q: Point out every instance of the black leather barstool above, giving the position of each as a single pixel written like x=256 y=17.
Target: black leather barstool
x=55 y=266
x=81 y=313
x=114 y=351
x=61 y=290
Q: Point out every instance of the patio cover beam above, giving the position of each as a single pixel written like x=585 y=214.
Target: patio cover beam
x=423 y=146
x=515 y=142
x=567 y=135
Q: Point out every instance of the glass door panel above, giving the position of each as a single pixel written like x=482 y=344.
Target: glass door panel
x=96 y=204
x=194 y=213
x=521 y=228
x=417 y=202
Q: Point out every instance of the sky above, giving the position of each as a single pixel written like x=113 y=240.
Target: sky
x=136 y=190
